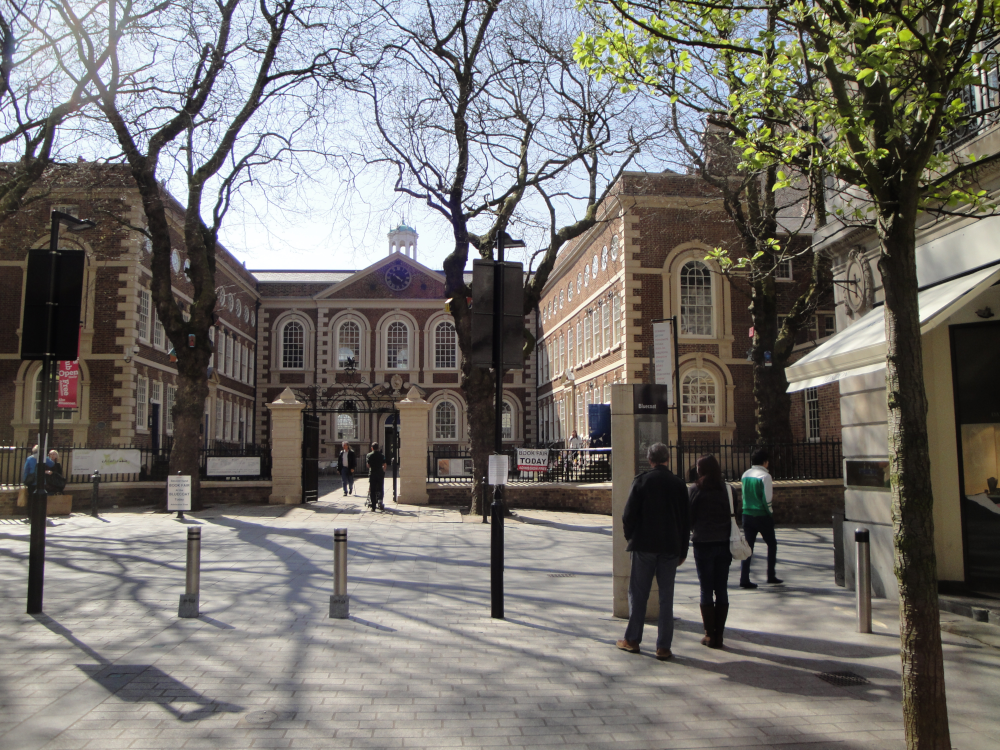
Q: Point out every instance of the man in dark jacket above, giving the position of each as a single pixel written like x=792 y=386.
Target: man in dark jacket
x=347 y=462
x=657 y=529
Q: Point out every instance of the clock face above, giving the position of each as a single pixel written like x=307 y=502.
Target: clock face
x=398 y=277
x=855 y=294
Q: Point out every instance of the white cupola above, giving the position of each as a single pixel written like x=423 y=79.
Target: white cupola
x=403 y=239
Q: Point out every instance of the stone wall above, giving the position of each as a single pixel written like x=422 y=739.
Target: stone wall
x=796 y=503
x=137 y=494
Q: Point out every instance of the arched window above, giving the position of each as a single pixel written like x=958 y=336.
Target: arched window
x=349 y=344
x=347 y=427
x=696 y=299
x=59 y=414
x=698 y=398
x=397 y=346
x=507 y=421
x=293 y=346
x=445 y=421
x=445 y=346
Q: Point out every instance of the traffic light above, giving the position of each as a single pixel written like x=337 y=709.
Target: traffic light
x=483 y=310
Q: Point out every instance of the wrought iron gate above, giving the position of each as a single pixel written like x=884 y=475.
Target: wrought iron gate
x=310 y=458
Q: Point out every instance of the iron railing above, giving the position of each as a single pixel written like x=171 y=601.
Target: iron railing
x=154 y=464
x=793 y=460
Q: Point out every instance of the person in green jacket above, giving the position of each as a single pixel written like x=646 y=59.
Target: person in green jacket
x=758 y=515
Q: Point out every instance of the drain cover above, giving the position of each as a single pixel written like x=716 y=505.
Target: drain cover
x=261 y=717
x=843 y=679
x=561 y=575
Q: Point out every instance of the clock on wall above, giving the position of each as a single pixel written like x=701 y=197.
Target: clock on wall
x=175 y=261
x=398 y=277
x=859 y=293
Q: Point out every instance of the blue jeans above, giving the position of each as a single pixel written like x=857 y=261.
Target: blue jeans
x=348 y=478
x=644 y=566
x=763 y=525
x=712 y=561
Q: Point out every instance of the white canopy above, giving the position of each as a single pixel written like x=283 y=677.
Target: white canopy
x=860 y=348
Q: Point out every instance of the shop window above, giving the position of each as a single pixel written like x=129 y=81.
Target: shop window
x=696 y=299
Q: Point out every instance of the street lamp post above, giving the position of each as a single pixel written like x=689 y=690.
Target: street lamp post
x=36 y=545
x=496 y=509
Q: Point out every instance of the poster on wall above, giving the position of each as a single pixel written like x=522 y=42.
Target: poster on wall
x=233 y=466
x=69 y=378
x=663 y=357
x=108 y=461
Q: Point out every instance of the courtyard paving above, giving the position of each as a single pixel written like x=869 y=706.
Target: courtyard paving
x=420 y=663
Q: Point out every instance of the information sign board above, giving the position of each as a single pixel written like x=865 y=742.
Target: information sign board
x=663 y=357
x=497 y=470
x=178 y=493
x=532 y=459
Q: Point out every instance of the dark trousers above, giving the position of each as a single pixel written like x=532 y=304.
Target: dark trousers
x=763 y=525
x=712 y=561
x=348 y=478
x=646 y=566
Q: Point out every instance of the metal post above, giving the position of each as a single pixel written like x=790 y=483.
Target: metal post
x=340 y=601
x=96 y=485
x=864 y=581
x=192 y=582
x=482 y=500
x=496 y=556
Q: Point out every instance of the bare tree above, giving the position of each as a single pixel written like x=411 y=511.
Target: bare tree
x=479 y=111
x=215 y=93
x=37 y=96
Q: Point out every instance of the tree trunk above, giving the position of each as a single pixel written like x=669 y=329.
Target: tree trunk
x=771 y=403
x=478 y=386
x=925 y=711
x=189 y=411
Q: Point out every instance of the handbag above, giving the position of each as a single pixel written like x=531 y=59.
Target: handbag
x=739 y=547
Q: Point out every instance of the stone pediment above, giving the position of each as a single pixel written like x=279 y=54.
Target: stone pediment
x=394 y=277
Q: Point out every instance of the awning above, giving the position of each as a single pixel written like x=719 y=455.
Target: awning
x=860 y=348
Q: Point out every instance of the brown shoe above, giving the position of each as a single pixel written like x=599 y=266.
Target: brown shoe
x=663 y=654
x=630 y=646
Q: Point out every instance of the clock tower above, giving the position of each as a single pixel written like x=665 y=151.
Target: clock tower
x=403 y=239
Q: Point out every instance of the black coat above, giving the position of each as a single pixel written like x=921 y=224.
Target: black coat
x=352 y=459
x=709 y=515
x=656 y=514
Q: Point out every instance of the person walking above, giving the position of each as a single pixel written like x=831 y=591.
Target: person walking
x=710 y=526
x=347 y=462
x=758 y=515
x=376 y=476
x=656 y=528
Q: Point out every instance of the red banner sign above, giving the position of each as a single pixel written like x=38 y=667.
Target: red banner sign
x=69 y=378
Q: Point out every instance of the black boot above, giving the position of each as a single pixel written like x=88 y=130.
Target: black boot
x=708 y=620
x=721 y=613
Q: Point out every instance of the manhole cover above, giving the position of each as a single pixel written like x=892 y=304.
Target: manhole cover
x=843 y=679
x=261 y=717
x=561 y=575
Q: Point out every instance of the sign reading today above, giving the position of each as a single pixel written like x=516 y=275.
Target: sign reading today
x=110 y=461
x=529 y=459
x=178 y=493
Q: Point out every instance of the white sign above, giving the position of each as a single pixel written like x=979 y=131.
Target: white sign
x=663 y=357
x=498 y=470
x=178 y=493
x=529 y=459
x=234 y=466
x=109 y=461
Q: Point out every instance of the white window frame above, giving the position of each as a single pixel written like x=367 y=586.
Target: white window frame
x=227 y=410
x=704 y=404
x=159 y=332
x=443 y=360
x=392 y=359
x=616 y=320
x=570 y=349
x=812 y=415
x=219 y=421
x=243 y=364
x=230 y=342
x=143 y=321
x=342 y=435
x=142 y=404
x=508 y=429
x=59 y=415
x=579 y=344
x=596 y=324
x=784 y=270
x=587 y=339
x=341 y=325
x=696 y=307
x=168 y=409
x=287 y=357
x=440 y=431
x=606 y=325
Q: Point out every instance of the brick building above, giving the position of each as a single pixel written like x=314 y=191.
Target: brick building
x=644 y=261
x=389 y=320
x=127 y=382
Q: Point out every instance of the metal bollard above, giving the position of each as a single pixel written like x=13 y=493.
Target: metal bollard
x=864 y=581
x=192 y=584
x=96 y=481
x=340 y=601
x=482 y=499
x=496 y=554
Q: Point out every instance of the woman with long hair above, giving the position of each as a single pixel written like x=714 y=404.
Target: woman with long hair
x=709 y=498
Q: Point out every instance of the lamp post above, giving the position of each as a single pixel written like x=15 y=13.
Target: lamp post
x=496 y=510
x=36 y=546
